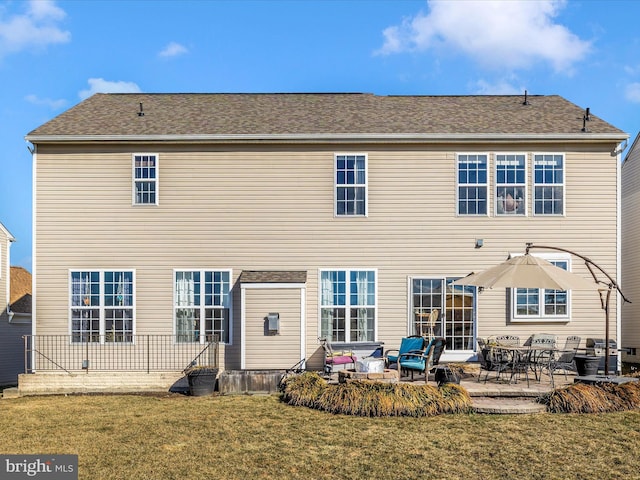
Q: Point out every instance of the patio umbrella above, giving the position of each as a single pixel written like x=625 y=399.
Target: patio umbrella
x=527 y=271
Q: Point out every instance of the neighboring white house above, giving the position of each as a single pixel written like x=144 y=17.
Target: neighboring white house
x=15 y=316
x=273 y=219
x=630 y=339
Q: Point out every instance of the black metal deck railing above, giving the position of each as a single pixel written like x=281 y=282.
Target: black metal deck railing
x=144 y=353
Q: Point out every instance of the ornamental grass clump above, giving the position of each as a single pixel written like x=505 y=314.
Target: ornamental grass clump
x=455 y=399
x=586 y=398
x=303 y=390
x=375 y=399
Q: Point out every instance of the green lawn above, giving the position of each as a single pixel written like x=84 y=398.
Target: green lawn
x=249 y=437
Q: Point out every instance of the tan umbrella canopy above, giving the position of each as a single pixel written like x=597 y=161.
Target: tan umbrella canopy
x=527 y=271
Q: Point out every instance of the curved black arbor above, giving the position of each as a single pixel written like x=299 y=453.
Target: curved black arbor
x=610 y=283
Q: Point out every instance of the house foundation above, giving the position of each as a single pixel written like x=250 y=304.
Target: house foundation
x=52 y=383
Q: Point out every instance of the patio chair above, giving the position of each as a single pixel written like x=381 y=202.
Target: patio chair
x=407 y=344
x=507 y=340
x=487 y=359
x=424 y=361
x=332 y=358
x=566 y=357
x=540 y=360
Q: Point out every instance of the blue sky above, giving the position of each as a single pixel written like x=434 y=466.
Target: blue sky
x=54 y=54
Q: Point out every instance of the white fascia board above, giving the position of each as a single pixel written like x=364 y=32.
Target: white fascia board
x=314 y=138
x=10 y=237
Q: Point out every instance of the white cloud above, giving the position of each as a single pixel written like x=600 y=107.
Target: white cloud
x=500 y=87
x=173 y=49
x=36 y=28
x=47 y=102
x=497 y=34
x=632 y=92
x=100 y=85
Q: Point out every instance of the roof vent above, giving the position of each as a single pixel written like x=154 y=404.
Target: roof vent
x=526 y=102
x=587 y=115
x=141 y=112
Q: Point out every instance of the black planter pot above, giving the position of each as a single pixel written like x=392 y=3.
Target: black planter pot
x=202 y=381
x=587 y=364
x=444 y=374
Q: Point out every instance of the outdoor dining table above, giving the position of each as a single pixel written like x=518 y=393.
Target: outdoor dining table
x=519 y=359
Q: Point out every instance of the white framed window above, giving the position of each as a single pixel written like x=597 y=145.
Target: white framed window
x=472 y=183
x=511 y=184
x=348 y=304
x=456 y=305
x=548 y=184
x=102 y=305
x=351 y=184
x=540 y=304
x=145 y=179
x=202 y=305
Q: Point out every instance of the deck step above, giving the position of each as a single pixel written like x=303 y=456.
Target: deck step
x=506 y=405
x=10 y=393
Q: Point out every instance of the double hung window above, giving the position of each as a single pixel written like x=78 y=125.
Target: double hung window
x=102 y=306
x=472 y=184
x=145 y=179
x=202 y=302
x=348 y=305
x=548 y=184
x=541 y=303
x=351 y=185
x=511 y=183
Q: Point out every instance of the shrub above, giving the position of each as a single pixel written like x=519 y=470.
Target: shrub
x=375 y=399
x=303 y=390
x=586 y=398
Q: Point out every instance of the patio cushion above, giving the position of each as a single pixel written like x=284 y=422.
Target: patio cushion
x=407 y=344
x=417 y=364
x=341 y=359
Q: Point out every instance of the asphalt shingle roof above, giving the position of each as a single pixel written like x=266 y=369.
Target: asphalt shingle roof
x=20 y=290
x=273 y=276
x=318 y=114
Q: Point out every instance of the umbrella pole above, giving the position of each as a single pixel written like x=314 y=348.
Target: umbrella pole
x=606 y=333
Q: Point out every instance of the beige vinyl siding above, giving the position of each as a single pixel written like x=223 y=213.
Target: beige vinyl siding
x=272 y=208
x=272 y=351
x=631 y=252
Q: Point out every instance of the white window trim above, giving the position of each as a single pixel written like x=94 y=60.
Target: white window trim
x=365 y=185
x=156 y=180
x=497 y=185
x=202 y=307
x=348 y=293
x=563 y=185
x=458 y=184
x=451 y=355
x=541 y=318
x=102 y=307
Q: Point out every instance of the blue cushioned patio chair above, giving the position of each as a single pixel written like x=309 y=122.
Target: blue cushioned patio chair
x=414 y=343
x=422 y=362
